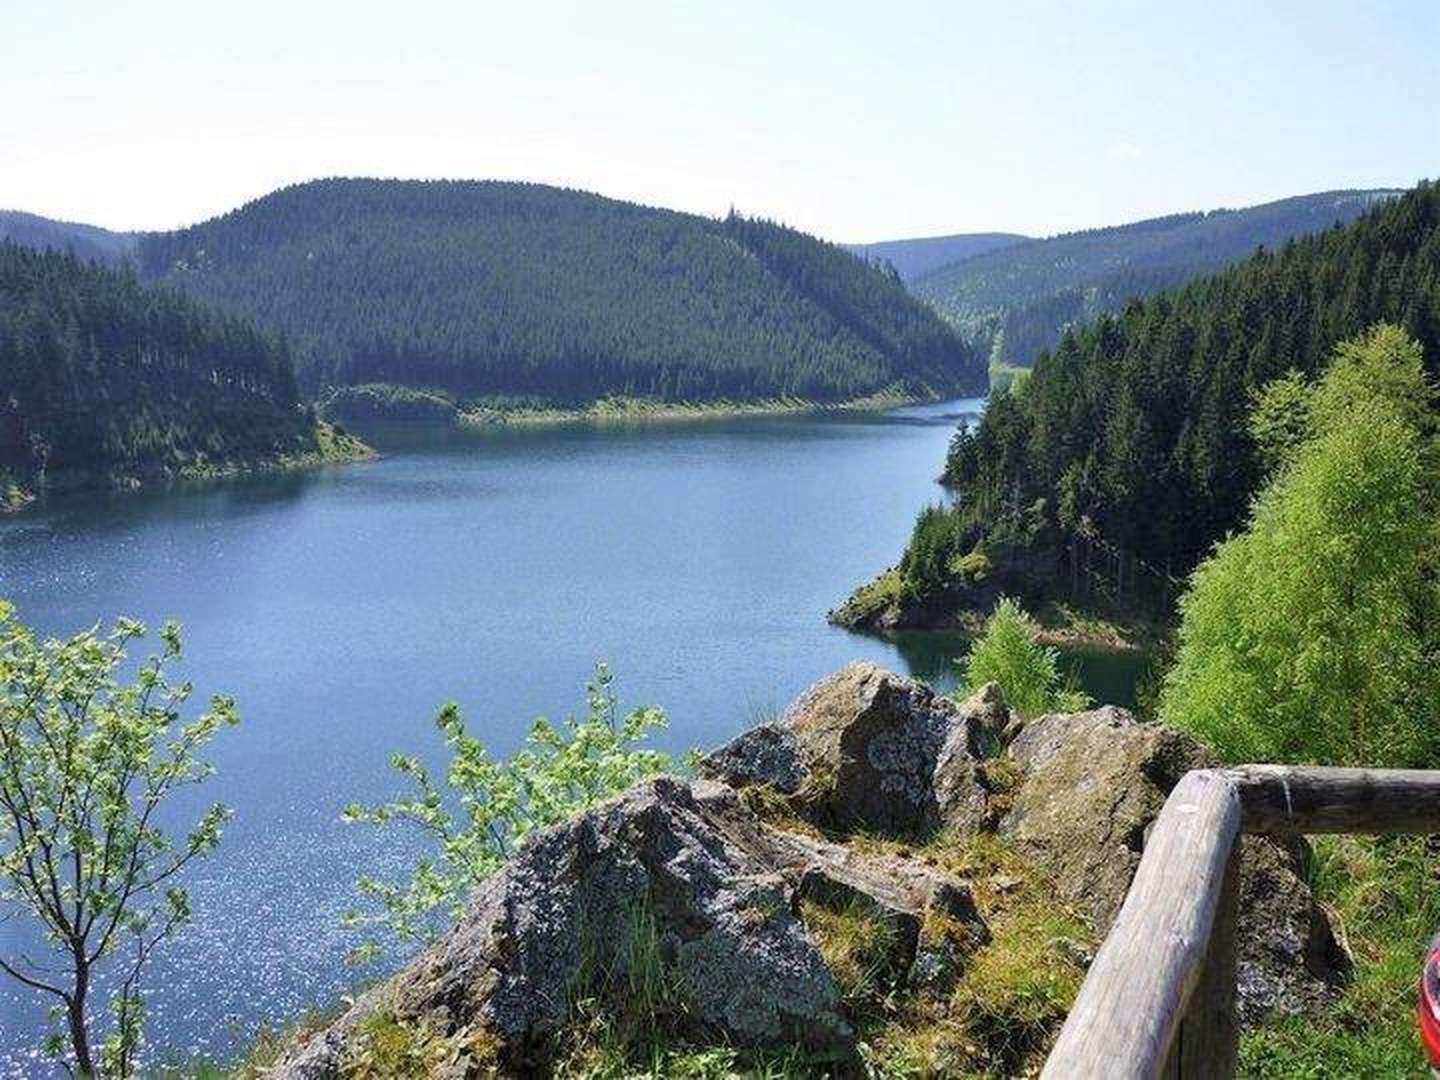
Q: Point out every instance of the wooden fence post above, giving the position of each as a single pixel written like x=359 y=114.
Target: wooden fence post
x=1137 y=994
x=1206 y=1044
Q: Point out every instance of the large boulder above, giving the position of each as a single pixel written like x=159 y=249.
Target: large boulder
x=1091 y=785
x=1092 y=782
x=859 y=749
x=679 y=874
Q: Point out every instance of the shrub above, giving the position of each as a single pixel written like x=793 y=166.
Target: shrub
x=1008 y=653
x=561 y=771
x=87 y=764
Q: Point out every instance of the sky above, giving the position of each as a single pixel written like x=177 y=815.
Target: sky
x=854 y=121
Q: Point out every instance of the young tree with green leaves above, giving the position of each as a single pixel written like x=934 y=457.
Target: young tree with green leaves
x=86 y=761
x=1028 y=672
x=485 y=807
x=1311 y=636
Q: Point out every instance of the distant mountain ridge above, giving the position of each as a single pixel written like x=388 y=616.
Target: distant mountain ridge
x=88 y=242
x=1015 y=302
x=913 y=258
x=534 y=294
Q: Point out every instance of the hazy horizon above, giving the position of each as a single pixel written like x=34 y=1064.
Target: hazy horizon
x=852 y=121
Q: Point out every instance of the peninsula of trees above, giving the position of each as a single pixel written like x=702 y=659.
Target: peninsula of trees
x=1133 y=446
x=110 y=381
x=529 y=294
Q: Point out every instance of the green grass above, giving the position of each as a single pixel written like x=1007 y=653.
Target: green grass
x=871 y=600
x=1385 y=897
x=1013 y=993
x=857 y=940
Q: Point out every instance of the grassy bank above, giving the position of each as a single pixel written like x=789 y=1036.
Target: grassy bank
x=626 y=410
x=883 y=604
x=383 y=401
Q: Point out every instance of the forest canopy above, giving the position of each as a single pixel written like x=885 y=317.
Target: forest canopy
x=1136 y=430
x=108 y=378
x=481 y=288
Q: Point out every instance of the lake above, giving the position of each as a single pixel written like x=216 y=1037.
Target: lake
x=342 y=607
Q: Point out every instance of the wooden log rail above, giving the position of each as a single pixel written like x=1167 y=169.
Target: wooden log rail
x=1159 y=1000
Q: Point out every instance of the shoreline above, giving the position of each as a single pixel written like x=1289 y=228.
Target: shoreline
x=337 y=447
x=617 y=410
x=876 y=609
x=381 y=402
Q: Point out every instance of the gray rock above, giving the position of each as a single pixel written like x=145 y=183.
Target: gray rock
x=692 y=872
x=1093 y=784
x=859 y=750
x=1285 y=935
x=963 y=787
x=767 y=754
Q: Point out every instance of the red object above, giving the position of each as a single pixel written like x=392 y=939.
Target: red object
x=1429 y=1010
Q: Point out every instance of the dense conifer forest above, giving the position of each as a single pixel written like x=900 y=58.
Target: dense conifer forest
x=1016 y=302
x=1133 y=441
x=521 y=290
x=108 y=379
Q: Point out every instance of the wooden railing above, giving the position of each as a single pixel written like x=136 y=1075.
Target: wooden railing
x=1159 y=1000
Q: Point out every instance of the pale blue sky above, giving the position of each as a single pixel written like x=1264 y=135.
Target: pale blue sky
x=857 y=121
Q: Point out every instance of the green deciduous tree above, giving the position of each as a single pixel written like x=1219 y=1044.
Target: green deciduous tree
x=1311 y=635
x=86 y=760
x=1028 y=672
x=484 y=807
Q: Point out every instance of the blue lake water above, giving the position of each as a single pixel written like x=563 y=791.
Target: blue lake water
x=342 y=607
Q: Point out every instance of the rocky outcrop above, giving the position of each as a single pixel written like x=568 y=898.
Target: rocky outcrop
x=672 y=873
x=860 y=750
x=1092 y=784
x=685 y=880
x=1074 y=793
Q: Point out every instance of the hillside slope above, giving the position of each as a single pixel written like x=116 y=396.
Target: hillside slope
x=1031 y=292
x=918 y=256
x=520 y=291
x=107 y=380
x=85 y=241
x=1127 y=453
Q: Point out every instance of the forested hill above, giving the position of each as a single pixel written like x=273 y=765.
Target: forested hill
x=86 y=241
x=489 y=289
x=108 y=380
x=914 y=258
x=1016 y=301
x=1134 y=430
